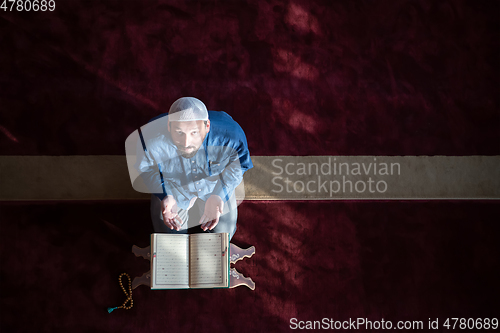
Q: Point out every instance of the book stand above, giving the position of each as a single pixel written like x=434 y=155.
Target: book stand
x=235 y=278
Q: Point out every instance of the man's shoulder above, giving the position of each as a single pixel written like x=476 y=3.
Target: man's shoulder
x=159 y=117
x=220 y=120
x=223 y=125
x=219 y=116
x=155 y=133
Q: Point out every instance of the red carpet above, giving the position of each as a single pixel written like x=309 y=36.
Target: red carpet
x=302 y=78
x=377 y=260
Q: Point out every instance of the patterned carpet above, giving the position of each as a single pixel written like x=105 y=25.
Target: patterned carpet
x=301 y=78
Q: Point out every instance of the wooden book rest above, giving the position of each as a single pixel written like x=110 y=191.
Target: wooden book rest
x=235 y=278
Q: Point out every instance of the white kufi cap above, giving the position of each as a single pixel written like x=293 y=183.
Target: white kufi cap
x=188 y=109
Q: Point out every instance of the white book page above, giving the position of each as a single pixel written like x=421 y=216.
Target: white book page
x=170 y=261
x=208 y=254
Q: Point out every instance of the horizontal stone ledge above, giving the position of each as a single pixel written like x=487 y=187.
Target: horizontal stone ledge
x=105 y=177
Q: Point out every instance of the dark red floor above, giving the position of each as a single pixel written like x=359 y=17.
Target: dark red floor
x=302 y=78
x=377 y=260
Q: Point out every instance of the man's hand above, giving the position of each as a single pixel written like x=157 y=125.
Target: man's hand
x=169 y=211
x=213 y=210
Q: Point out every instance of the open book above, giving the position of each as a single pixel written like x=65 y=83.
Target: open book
x=189 y=261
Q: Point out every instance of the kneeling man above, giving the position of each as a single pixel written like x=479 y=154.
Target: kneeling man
x=192 y=160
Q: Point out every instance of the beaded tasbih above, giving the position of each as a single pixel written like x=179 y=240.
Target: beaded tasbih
x=129 y=294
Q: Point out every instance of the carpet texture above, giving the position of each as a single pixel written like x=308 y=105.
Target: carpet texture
x=377 y=260
x=302 y=78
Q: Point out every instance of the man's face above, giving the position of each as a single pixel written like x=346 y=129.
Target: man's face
x=188 y=136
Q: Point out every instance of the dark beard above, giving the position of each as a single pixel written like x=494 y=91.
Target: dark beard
x=189 y=155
